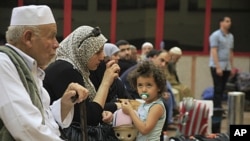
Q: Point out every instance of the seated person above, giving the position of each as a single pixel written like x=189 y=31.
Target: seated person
x=117 y=89
x=145 y=49
x=172 y=76
x=125 y=61
x=80 y=52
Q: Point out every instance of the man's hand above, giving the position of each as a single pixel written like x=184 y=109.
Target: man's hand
x=219 y=71
x=75 y=91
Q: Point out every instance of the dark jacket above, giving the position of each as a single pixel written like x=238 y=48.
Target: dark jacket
x=125 y=64
x=59 y=75
x=117 y=89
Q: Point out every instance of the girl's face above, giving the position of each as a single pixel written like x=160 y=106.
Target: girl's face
x=147 y=85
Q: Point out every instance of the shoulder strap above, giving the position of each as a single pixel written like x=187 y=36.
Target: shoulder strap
x=28 y=82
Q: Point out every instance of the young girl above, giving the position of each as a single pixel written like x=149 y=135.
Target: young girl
x=150 y=83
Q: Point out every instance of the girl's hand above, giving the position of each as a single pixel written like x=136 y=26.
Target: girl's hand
x=126 y=107
x=107 y=116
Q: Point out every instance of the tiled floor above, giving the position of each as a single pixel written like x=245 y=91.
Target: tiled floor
x=224 y=124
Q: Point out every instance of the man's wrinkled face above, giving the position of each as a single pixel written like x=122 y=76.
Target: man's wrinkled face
x=174 y=58
x=44 y=44
x=146 y=49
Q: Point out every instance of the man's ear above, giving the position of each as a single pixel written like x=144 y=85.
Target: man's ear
x=27 y=37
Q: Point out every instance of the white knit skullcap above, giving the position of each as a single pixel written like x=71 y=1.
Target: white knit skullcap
x=32 y=15
x=175 y=50
x=147 y=44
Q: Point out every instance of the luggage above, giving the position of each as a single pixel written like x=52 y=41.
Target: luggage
x=197 y=120
x=243 y=81
x=217 y=137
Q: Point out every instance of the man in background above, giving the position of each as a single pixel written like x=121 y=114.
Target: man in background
x=179 y=88
x=125 y=60
x=221 y=58
x=221 y=62
x=145 y=49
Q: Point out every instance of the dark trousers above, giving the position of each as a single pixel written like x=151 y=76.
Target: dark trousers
x=219 y=86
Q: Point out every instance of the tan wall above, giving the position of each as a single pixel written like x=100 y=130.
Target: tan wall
x=195 y=72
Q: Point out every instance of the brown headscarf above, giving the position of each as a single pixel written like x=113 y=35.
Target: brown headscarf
x=78 y=53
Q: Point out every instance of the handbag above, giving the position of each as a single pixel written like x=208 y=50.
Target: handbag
x=72 y=133
x=101 y=132
x=80 y=131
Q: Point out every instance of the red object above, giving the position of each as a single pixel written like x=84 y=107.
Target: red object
x=113 y=21
x=159 y=30
x=67 y=17
x=20 y=3
x=207 y=26
x=197 y=121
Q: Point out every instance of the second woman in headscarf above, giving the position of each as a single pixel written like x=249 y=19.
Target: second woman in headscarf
x=117 y=89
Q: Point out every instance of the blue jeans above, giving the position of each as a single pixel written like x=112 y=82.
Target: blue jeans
x=171 y=103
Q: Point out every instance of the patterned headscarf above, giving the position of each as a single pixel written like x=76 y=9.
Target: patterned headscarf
x=78 y=53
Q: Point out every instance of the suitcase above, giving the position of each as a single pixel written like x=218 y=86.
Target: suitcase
x=196 y=121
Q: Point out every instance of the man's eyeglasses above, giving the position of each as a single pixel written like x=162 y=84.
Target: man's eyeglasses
x=94 y=33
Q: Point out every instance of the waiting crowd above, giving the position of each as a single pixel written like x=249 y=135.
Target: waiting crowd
x=46 y=86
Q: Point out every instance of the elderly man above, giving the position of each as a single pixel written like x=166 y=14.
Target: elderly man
x=145 y=49
x=179 y=89
x=26 y=113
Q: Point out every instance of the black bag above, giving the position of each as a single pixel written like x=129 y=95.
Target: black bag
x=243 y=81
x=77 y=130
x=102 y=132
x=72 y=133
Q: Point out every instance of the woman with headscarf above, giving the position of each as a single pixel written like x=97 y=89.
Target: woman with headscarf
x=78 y=53
x=117 y=89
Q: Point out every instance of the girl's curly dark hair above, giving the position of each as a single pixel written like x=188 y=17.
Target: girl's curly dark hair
x=147 y=69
